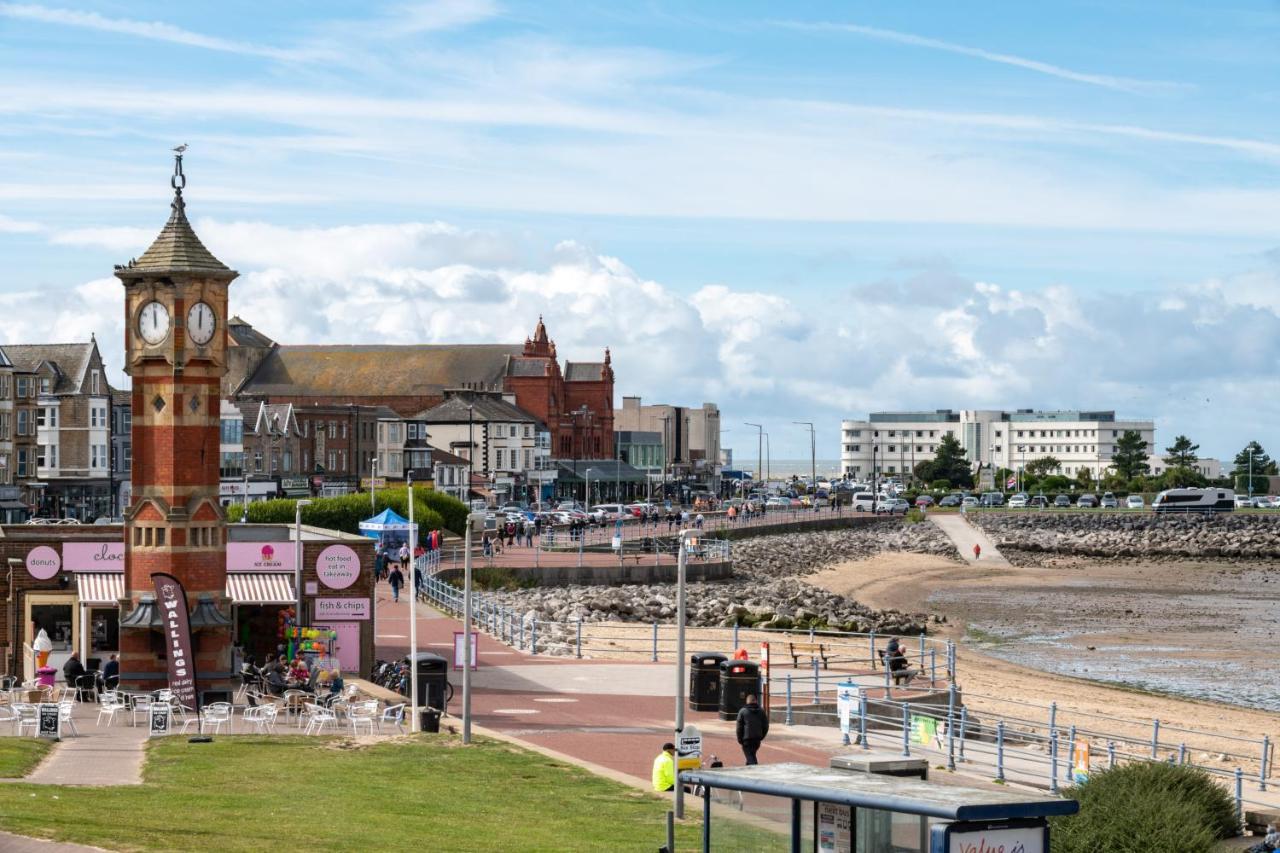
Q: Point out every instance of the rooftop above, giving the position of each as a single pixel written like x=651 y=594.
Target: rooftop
x=463 y=406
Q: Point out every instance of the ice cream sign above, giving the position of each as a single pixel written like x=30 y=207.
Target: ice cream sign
x=260 y=557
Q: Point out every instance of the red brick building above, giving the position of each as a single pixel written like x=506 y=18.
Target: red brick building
x=576 y=404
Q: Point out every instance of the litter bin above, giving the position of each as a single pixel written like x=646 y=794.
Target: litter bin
x=704 y=680
x=429 y=721
x=738 y=680
x=433 y=678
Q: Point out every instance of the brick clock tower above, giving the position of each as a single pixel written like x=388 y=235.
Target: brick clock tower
x=175 y=351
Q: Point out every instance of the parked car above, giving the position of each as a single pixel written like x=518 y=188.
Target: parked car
x=1109 y=501
x=950 y=500
x=1243 y=501
x=1038 y=501
x=1134 y=502
x=1087 y=502
x=1062 y=501
x=1018 y=501
x=969 y=502
x=863 y=501
x=892 y=506
x=924 y=500
x=992 y=499
x=778 y=503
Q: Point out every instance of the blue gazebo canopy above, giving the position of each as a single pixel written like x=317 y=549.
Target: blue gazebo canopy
x=386 y=521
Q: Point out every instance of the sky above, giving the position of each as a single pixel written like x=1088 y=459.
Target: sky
x=800 y=212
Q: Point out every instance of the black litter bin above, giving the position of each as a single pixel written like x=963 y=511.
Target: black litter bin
x=738 y=680
x=429 y=721
x=433 y=678
x=704 y=680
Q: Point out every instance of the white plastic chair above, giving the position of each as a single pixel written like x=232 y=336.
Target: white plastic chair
x=9 y=715
x=318 y=718
x=214 y=715
x=363 y=714
x=28 y=717
x=261 y=717
x=392 y=714
x=65 y=710
x=109 y=707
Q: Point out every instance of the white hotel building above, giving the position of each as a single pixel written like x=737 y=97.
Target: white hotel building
x=1079 y=439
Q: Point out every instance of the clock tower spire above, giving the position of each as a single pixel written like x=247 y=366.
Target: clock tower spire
x=175 y=352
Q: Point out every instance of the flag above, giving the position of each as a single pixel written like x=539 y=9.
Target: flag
x=1011 y=482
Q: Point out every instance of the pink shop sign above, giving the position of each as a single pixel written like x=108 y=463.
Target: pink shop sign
x=93 y=556
x=342 y=608
x=260 y=557
x=338 y=566
x=43 y=562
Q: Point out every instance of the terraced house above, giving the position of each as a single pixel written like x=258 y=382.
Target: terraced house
x=18 y=497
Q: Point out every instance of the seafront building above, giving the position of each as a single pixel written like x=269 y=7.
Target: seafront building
x=893 y=443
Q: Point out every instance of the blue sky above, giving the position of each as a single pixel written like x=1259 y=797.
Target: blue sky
x=799 y=211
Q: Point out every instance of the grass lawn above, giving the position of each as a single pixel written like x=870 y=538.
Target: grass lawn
x=18 y=755
x=255 y=793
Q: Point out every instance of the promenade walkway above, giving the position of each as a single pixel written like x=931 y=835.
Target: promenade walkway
x=964 y=536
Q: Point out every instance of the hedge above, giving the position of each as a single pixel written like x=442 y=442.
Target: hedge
x=432 y=510
x=1146 y=806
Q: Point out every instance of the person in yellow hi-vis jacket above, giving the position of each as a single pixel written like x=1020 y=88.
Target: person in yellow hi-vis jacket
x=664 y=768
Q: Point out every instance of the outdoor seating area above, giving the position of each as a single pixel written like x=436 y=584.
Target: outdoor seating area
x=253 y=712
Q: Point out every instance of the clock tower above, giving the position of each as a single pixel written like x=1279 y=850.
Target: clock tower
x=175 y=346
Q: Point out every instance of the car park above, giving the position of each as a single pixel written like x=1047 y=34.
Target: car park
x=1062 y=501
x=1135 y=502
x=1087 y=502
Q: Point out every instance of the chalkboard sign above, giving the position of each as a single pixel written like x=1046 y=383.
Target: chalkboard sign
x=50 y=721
x=158 y=716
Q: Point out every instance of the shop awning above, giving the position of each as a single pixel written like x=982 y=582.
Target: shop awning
x=260 y=588
x=100 y=587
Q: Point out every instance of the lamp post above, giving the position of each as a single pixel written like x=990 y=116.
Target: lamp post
x=471 y=449
x=588 y=488
x=1250 y=471
x=759 y=448
x=472 y=519
x=414 y=723
x=685 y=536
x=813 y=461
x=297 y=560
x=768 y=463
x=373 y=485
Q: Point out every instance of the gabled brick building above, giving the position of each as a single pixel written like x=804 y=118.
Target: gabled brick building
x=576 y=404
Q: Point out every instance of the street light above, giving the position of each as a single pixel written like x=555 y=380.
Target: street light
x=685 y=536
x=473 y=519
x=414 y=724
x=759 y=448
x=813 y=461
x=373 y=485
x=297 y=559
x=1250 y=470
x=588 y=495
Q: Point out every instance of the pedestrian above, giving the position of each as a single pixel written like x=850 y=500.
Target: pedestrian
x=404 y=556
x=528 y=533
x=664 y=769
x=697 y=522
x=977 y=550
x=753 y=727
x=396 y=578
x=486 y=546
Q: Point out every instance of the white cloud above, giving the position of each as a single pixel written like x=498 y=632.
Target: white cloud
x=8 y=225
x=1106 y=81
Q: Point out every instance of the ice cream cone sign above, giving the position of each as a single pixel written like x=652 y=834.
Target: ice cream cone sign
x=42 y=646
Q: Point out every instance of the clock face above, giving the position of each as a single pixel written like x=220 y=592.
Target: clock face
x=200 y=323
x=153 y=322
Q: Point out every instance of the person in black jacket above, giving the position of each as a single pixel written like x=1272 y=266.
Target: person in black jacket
x=73 y=669
x=753 y=727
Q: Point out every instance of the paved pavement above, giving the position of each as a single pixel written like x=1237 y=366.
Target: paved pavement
x=964 y=536
x=10 y=843
x=99 y=756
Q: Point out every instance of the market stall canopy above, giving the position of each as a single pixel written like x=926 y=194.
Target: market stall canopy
x=385 y=521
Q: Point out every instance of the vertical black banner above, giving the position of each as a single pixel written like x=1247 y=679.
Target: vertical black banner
x=171 y=599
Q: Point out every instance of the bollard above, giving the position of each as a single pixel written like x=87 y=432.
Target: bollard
x=1053 y=763
x=1000 y=750
x=1240 y=796
x=906 y=731
x=862 y=718
x=735 y=636
x=964 y=720
x=815 y=681
x=1070 y=756
x=811 y=633
x=533 y=638
x=1155 y=739
x=951 y=727
x=790 y=720
x=579 y=636
x=872 y=638
x=655 y=640
x=1182 y=753
x=1266 y=759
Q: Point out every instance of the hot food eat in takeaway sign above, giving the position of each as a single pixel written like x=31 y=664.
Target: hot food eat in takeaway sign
x=338 y=566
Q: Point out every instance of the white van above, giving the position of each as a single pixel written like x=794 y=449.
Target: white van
x=865 y=502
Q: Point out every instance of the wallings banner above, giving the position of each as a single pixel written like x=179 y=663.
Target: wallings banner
x=172 y=601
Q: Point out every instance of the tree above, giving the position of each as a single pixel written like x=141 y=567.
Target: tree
x=1084 y=478
x=1130 y=456
x=1182 y=453
x=1261 y=465
x=1043 y=465
x=949 y=463
x=1179 y=477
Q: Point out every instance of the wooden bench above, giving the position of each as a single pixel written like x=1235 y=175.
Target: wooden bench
x=815 y=651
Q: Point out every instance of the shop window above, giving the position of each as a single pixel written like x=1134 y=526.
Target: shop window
x=160 y=534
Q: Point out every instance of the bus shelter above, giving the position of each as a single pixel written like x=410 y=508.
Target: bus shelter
x=854 y=812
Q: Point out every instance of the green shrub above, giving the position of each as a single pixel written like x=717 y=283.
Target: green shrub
x=1146 y=806
x=345 y=512
x=452 y=510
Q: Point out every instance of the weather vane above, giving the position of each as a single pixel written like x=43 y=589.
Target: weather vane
x=179 y=180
